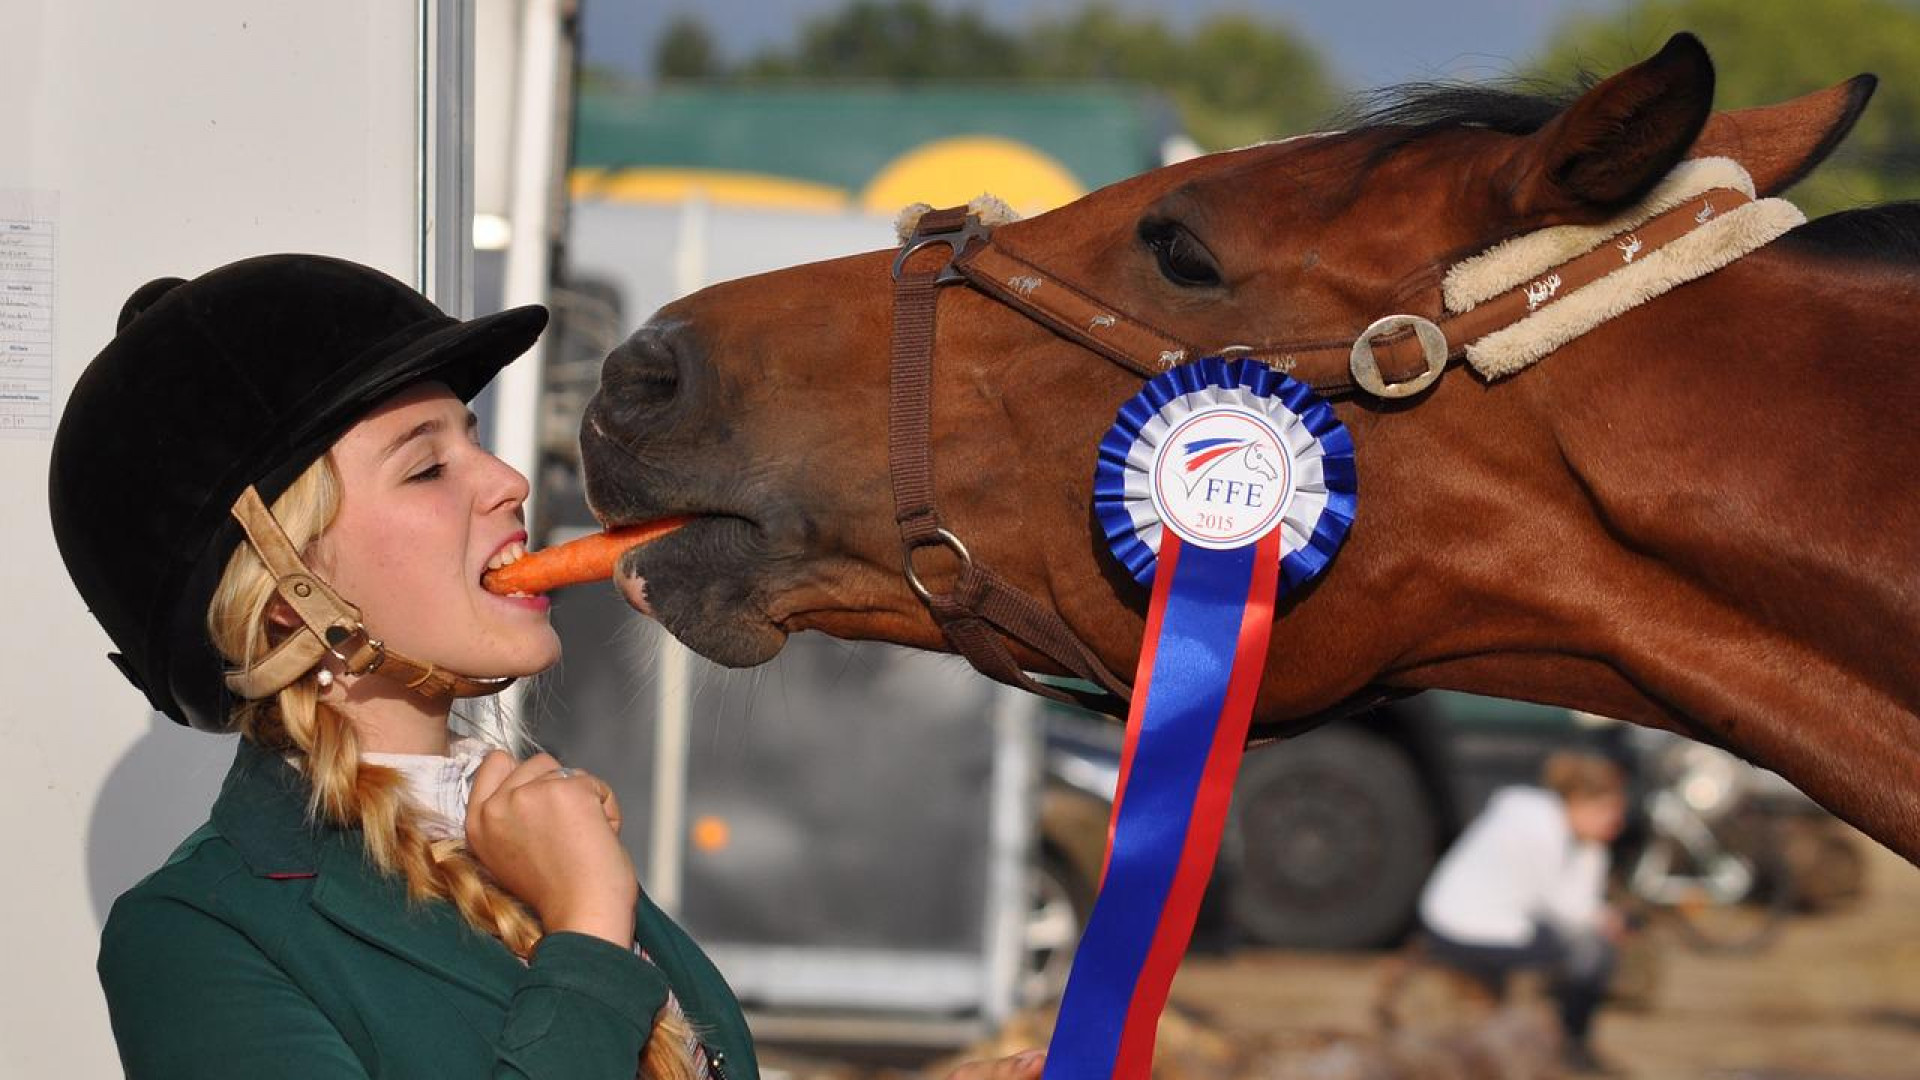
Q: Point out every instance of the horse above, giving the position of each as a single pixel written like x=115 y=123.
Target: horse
x=1694 y=515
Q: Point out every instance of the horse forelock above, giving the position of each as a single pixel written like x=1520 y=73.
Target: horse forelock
x=991 y=209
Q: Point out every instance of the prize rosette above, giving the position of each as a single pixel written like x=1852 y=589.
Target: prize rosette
x=1220 y=481
x=1232 y=431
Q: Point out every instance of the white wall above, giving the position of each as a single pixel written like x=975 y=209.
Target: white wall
x=159 y=138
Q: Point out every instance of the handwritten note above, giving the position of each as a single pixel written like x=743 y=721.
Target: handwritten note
x=27 y=284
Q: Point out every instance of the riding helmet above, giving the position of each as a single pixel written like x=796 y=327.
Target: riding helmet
x=242 y=376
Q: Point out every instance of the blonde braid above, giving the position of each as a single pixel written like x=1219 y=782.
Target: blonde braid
x=346 y=792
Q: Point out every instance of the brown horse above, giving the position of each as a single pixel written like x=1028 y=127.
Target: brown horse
x=1698 y=515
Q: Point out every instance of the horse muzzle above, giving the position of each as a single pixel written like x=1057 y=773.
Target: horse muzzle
x=657 y=441
x=648 y=446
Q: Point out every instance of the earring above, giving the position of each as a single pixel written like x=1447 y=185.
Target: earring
x=325 y=678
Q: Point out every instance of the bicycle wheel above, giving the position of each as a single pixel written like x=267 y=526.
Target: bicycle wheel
x=1751 y=923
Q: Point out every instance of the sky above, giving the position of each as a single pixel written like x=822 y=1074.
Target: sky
x=1370 y=43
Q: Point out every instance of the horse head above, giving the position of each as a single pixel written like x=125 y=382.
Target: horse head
x=761 y=404
x=1633 y=525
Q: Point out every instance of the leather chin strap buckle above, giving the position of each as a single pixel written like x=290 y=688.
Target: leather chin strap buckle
x=330 y=626
x=359 y=652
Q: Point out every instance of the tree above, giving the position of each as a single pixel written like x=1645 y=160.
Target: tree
x=1765 y=52
x=1234 y=79
x=1246 y=80
x=897 y=40
x=686 y=51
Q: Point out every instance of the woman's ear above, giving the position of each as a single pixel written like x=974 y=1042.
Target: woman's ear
x=281 y=614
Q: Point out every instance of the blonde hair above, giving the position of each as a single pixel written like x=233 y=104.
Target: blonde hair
x=344 y=791
x=1576 y=775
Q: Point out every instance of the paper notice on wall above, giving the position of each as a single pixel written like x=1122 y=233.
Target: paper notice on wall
x=28 y=294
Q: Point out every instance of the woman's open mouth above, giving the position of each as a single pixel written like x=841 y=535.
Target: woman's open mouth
x=509 y=553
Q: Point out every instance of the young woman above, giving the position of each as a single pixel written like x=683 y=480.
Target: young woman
x=268 y=489
x=1523 y=889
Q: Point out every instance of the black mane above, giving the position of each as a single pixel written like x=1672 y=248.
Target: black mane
x=1889 y=232
x=1412 y=111
x=1514 y=107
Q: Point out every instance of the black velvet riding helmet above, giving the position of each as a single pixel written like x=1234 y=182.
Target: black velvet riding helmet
x=242 y=376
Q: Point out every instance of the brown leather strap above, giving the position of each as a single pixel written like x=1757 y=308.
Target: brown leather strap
x=980 y=603
x=1077 y=316
x=331 y=625
x=1323 y=364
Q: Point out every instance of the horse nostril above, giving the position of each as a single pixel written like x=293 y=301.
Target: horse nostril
x=643 y=372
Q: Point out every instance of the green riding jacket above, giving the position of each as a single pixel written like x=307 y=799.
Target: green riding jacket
x=269 y=947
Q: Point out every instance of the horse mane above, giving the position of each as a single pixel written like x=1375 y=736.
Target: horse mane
x=1889 y=232
x=1410 y=112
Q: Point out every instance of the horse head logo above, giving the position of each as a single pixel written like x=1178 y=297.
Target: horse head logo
x=1206 y=456
x=1258 y=463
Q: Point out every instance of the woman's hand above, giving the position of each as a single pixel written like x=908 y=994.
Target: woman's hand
x=1612 y=923
x=1025 y=1065
x=552 y=840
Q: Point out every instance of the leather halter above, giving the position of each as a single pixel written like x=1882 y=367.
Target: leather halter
x=1395 y=356
x=331 y=626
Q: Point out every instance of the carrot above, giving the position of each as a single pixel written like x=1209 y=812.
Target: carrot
x=589 y=558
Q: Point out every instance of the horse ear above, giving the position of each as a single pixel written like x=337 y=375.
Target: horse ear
x=1618 y=139
x=1780 y=144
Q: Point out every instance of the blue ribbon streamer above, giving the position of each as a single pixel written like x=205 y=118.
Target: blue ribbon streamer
x=1185 y=694
x=1178 y=715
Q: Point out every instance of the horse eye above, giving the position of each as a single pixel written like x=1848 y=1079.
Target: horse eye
x=1183 y=260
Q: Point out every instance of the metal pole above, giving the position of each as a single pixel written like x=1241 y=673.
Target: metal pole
x=667 y=840
x=528 y=271
x=1013 y=810
x=533 y=168
x=444 y=172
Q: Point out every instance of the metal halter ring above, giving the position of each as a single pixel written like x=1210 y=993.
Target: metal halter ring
x=956 y=240
x=1366 y=369
x=940 y=536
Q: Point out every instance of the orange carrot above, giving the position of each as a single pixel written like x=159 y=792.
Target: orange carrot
x=589 y=558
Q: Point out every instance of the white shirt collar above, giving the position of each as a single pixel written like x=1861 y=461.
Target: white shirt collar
x=439 y=784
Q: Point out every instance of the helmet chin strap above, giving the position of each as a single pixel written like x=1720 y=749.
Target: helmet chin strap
x=332 y=627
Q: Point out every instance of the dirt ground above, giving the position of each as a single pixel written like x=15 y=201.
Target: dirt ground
x=1836 y=997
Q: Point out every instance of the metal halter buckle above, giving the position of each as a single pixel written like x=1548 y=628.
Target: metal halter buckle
x=941 y=537
x=956 y=240
x=1366 y=368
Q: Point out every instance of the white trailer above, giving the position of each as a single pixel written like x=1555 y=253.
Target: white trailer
x=151 y=139
x=165 y=139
